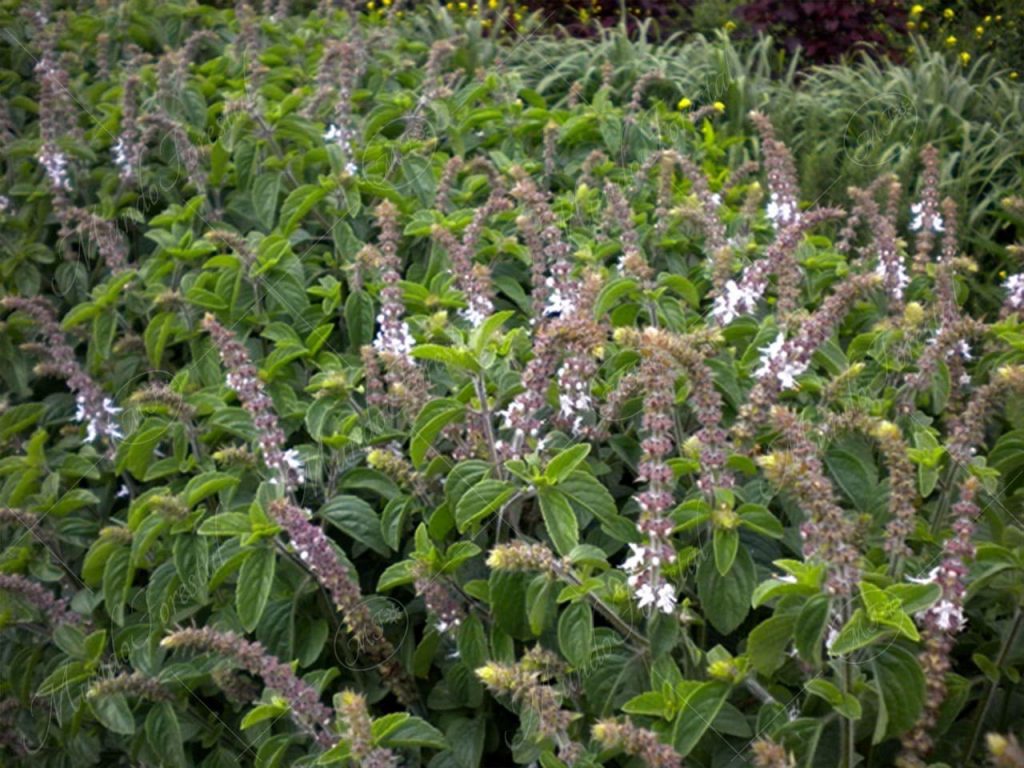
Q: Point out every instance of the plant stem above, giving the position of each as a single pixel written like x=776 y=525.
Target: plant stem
x=1004 y=651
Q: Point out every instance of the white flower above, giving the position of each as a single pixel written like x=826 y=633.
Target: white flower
x=335 y=135
x=122 y=492
x=830 y=639
x=55 y=163
x=645 y=596
x=351 y=168
x=396 y=341
x=291 y=458
x=735 y=300
x=559 y=304
x=899 y=280
x=948 y=616
x=716 y=198
x=120 y=152
x=775 y=359
x=918 y=221
x=1014 y=286
x=635 y=561
x=780 y=212
x=666 y=598
x=5 y=203
x=933 y=574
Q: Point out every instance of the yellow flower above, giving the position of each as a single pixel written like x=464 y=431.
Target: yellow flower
x=948 y=13
x=719 y=106
x=988 y=19
x=371 y=5
x=385 y=3
x=951 y=40
x=965 y=58
x=979 y=31
x=492 y=4
x=917 y=10
x=911 y=26
x=684 y=103
x=1013 y=75
x=463 y=6
x=729 y=25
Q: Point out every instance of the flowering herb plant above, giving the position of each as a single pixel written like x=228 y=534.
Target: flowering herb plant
x=363 y=409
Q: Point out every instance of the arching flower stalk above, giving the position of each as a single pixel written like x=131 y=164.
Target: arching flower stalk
x=56 y=610
x=926 y=220
x=632 y=263
x=902 y=479
x=783 y=360
x=943 y=621
x=663 y=356
x=406 y=387
x=783 y=202
x=525 y=684
x=635 y=741
x=358 y=731
x=307 y=711
x=95 y=407
x=317 y=553
x=829 y=535
x=968 y=428
x=135 y=684
x=244 y=379
x=471 y=277
x=740 y=297
x=554 y=293
x=441 y=600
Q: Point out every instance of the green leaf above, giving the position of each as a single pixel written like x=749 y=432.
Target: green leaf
x=434 y=417
x=589 y=498
x=163 y=734
x=576 y=634
x=651 y=703
x=263 y=712
x=482 y=500
x=900 y=684
x=726 y=599
x=254 y=582
x=207 y=484
x=767 y=643
x=725 y=542
x=114 y=713
x=559 y=519
x=844 y=703
x=357 y=519
x=697 y=712
x=809 y=633
x=414 y=732
x=858 y=632
x=562 y=465
x=226 y=524
x=265 y=189
x=760 y=520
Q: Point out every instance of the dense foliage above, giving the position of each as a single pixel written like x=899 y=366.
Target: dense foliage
x=373 y=400
x=828 y=29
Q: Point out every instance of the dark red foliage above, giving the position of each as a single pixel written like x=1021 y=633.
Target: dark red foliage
x=827 y=29
x=581 y=18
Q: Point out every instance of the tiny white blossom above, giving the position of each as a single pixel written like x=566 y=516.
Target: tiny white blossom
x=122 y=492
x=666 y=598
x=774 y=359
x=780 y=212
x=1014 y=286
x=559 y=304
x=948 y=616
x=734 y=301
